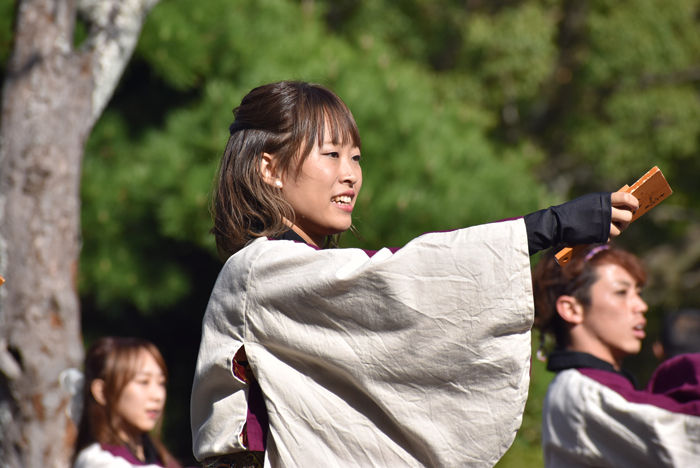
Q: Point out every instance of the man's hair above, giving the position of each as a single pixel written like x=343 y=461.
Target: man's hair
x=550 y=281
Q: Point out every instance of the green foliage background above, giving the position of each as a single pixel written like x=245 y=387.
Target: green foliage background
x=469 y=111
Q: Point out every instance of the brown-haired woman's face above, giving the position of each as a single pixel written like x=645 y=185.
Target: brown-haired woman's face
x=323 y=195
x=141 y=403
x=615 y=318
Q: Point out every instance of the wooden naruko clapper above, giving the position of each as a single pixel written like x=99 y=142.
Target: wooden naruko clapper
x=651 y=189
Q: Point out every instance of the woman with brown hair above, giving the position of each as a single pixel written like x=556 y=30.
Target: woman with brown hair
x=594 y=415
x=317 y=356
x=124 y=396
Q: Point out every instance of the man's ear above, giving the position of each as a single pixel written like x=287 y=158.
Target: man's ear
x=570 y=309
x=267 y=169
x=97 y=388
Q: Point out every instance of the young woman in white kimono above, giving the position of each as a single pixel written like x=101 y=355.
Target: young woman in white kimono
x=317 y=356
x=594 y=415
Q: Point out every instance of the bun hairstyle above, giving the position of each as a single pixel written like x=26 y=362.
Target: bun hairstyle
x=285 y=119
x=550 y=281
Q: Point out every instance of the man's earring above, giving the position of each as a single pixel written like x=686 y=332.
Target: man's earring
x=278 y=183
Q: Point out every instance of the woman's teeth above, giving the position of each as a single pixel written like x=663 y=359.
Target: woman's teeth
x=342 y=200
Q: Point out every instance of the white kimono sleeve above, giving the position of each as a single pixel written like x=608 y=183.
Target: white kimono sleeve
x=415 y=358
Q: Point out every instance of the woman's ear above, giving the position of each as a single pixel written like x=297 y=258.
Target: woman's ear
x=97 y=388
x=570 y=309
x=267 y=169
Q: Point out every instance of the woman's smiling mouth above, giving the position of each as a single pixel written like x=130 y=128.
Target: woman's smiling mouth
x=341 y=200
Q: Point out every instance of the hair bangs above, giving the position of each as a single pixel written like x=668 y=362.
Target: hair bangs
x=322 y=111
x=623 y=259
x=319 y=111
x=338 y=120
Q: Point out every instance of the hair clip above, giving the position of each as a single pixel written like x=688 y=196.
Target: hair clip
x=595 y=251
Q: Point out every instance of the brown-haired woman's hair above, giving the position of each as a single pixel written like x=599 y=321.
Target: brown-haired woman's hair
x=285 y=119
x=550 y=281
x=116 y=361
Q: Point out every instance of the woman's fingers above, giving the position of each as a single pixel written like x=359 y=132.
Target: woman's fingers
x=623 y=207
x=616 y=229
x=624 y=199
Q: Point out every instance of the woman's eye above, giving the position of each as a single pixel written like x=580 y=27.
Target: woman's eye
x=332 y=154
x=357 y=158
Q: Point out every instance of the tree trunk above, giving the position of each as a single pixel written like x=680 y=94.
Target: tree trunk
x=51 y=98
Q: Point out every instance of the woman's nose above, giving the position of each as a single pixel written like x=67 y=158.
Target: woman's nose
x=348 y=174
x=158 y=393
x=350 y=177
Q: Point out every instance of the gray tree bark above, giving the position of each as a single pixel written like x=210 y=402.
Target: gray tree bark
x=52 y=96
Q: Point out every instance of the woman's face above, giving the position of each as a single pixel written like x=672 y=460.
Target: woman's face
x=324 y=193
x=143 y=398
x=615 y=319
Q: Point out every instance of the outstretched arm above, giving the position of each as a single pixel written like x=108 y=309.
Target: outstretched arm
x=590 y=219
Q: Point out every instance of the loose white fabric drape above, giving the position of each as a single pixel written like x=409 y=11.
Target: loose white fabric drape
x=415 y=358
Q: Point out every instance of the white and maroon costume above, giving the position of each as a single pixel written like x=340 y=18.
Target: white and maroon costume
x=412 y=357
x=113 y=456
x=595 y=417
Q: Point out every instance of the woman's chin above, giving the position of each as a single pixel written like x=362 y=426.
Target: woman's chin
x=339 y=229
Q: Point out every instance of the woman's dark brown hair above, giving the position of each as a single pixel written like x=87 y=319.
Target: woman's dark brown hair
x=550 y=281
x=116 y=361
x=285 y=119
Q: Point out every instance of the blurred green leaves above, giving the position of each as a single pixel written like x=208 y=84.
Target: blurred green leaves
x=512 y=52
x=428 y=160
